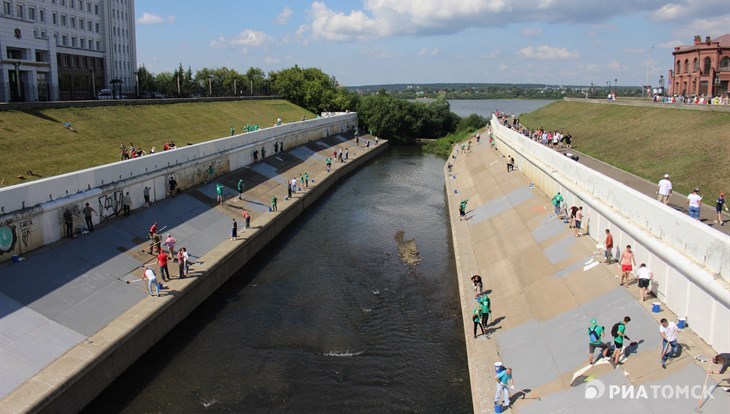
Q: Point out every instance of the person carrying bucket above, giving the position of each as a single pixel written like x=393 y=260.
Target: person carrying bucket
x=504 y=380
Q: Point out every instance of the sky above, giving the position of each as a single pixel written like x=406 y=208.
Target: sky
x=367 y=42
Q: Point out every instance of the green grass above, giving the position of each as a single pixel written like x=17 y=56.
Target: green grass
x=443 y=146
x=37 y=140
x=692 y=146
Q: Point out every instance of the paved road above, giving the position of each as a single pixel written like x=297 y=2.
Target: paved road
x=546 y=285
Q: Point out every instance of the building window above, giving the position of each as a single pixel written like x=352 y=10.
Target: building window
x=98 y=45
x=707 y=66
x=55 y=18
x=73 y=22
x=73 y=42
x=63 y=3
x=679 y=67
x=43 y=34
x=82 y=24
x=19 y=10
x=83 y=43
x=695 y=65
x=97 y=27
x=88 y=8
x=42 y=15
x=96 y=9
x=63 y=20
x=7 y=8
x=686 y=66
x=31 y=13
x=725 y=64
x=64 y=40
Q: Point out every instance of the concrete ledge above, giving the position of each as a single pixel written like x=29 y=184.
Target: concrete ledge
x=74 y=379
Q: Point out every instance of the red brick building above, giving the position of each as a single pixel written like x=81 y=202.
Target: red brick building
x=702 y=68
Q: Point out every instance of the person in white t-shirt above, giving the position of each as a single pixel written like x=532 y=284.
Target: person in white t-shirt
x=644 y=275
x=665 y=189
x=694 y=200
x=149 y=274
x=668 y=332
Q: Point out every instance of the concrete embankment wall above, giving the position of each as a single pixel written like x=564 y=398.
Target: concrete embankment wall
x=33 y=212
x=72 y=381
x=690 y=261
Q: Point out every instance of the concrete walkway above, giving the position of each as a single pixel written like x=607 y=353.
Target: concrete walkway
x=545 y=285
x=62 y=295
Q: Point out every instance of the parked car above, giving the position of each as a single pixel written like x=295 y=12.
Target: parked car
x=158 y=95
x=145 y=95
x=104 y=94
x=195 y=95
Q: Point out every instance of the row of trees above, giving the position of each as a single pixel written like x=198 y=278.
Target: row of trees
x=206 y=82
x=380 y=113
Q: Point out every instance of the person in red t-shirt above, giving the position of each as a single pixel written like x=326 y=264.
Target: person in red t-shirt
x=162 y=261
x=609 y=247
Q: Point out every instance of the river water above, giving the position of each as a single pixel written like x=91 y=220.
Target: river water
x=327 y=318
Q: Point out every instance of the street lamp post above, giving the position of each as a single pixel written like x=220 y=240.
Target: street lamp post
x=93 y=83
x=234 y=87
x=136 y=84
x=661 y=85
x=615 y=86
x=210 y=85
x=17 y=78
x=608 y=86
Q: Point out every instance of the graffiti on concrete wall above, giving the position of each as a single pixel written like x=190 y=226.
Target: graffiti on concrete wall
x=25 y=227
x=8 y=237
x=110 y=205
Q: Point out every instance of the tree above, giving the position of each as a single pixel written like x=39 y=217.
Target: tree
x=310 y=88
x=146 y=80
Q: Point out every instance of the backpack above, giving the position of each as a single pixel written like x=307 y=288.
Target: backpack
x=614 y=330
x=593 y=334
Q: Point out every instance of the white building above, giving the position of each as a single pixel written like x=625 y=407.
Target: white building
x=66 y=49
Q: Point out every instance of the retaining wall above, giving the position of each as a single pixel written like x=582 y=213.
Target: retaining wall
x=31 y=214
x=75 y=379
x=690 y=260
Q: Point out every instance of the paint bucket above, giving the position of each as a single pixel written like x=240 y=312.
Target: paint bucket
x=656 y=307
x=681 y=323
x=498 y=367
x=498 y=407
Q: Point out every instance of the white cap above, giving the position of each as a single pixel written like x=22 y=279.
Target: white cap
x=497 y=364
x=666 y=175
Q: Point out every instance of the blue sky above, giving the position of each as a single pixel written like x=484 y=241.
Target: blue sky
x=363 y=42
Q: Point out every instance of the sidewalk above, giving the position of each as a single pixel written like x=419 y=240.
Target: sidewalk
x=546 y=285
x=65 y=293
x=677 y=201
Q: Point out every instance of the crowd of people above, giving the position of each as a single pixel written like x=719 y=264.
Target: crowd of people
x=693 y=100
x=130 y=152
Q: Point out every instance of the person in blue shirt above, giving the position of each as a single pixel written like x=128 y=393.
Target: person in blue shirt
x=504 y=380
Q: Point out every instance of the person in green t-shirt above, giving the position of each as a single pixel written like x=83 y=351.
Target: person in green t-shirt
x=273 y=203
x=477 y=318
x=618 y=339
x=219 y=193
x=462 y=209
x=557 y=202
x=485 y=308
x=240 y=187
x=595 y=340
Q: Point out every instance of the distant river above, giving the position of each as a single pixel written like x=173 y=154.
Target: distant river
x=485 y=107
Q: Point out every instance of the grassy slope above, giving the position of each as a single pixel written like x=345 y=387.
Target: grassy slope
x=692 y=146
x=37 y=140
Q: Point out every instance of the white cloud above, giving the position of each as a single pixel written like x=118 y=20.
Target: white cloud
x=670 y=44
x=171 y=19
x=284 y=16
x=687 y=10
x=428 y=52
x=388 y=18
x=271 y=60
x=546 y=52
x=715 y=26
x=149 y=18
x=529 y=31
x=245 y=39
x=614 y=65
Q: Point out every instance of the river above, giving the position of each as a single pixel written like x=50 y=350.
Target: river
x=327 y=318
